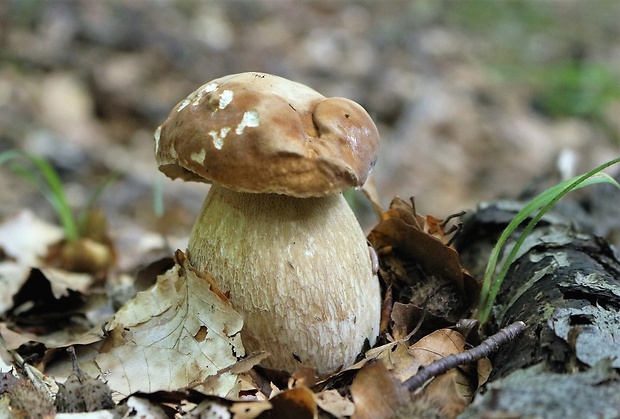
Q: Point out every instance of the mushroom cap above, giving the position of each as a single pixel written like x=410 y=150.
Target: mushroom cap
x=256 y=132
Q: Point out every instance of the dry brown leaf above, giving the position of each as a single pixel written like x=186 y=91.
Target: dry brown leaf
x=413 y=252
x=214 y=407
x=376 y=393
x=438 y=344
x=449 y=393
x=396 y=358
x=143 y=408
x=483 y=369
x=297 y=403
x=304 y=377
x=176 y=334
x=441 y=399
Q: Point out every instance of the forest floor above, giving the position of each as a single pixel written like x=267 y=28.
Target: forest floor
x=474 y=101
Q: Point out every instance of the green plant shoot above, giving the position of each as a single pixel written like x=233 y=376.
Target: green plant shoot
x=48 y=183
x=541 y=203
x=44 y=177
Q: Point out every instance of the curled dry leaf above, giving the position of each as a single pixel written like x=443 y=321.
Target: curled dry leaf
x=33 y=250
x=416 y=259
x=176 y=334
x=441 y=399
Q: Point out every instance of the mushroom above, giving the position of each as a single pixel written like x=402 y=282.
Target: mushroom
x=274 y=229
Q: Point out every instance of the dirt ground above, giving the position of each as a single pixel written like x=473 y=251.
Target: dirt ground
x=473 y=100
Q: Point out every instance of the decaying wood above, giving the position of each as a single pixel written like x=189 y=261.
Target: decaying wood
x=565 y=285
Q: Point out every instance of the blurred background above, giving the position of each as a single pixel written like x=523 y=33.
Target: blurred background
x=474 y=100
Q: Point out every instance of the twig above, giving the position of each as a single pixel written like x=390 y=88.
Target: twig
x=488 y=346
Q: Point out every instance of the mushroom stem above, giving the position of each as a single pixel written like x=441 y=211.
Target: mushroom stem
x=298 y=271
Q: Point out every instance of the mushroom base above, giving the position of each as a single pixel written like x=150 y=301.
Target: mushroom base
x=297 y=269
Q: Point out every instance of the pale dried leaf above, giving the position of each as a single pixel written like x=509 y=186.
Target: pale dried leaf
x=177 y=333
x=62 y=281
x=13 y=340
x=26 y=238
x=12 y=276
x=333 y=403
x=213 y=408
x=143 y=408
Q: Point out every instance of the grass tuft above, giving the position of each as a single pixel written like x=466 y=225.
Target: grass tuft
x=542 y=204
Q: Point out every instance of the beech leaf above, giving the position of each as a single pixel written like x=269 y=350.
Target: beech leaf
x=176 y=334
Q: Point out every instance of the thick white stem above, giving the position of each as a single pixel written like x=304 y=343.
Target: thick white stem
x=297 y=269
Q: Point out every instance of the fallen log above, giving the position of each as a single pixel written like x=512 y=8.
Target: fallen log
x=565 y=285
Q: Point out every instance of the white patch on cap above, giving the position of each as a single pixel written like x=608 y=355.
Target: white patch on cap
x=195 y=97
x=210 y=87
x=225 y=98
x=156 y=136
x=199 y=157
x=250 y=119
x=218 y=138
x=183 y=104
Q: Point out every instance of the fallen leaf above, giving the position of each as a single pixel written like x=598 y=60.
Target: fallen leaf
x=438 y=344
x=376 y=393
x=12 y=276
x=335 y=404
x=297 y=403
x=396 y=358
x=176 y=334
x=26 y=238
x=415 y=258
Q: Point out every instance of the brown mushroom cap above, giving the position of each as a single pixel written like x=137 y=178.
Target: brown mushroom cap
x=255 y=132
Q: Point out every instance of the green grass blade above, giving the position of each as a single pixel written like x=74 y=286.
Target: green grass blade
x=51 y=187
x=542 y=203
x=9 y=155
x=57 y=195
x=158 y=195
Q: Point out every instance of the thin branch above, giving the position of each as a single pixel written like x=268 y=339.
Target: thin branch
x=488 y=346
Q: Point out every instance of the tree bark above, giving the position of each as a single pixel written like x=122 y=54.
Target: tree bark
x=565 y=285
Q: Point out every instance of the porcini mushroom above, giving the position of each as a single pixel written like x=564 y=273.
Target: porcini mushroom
x=275 y=230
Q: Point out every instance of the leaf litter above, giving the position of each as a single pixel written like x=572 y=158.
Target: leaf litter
x=161 y=358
